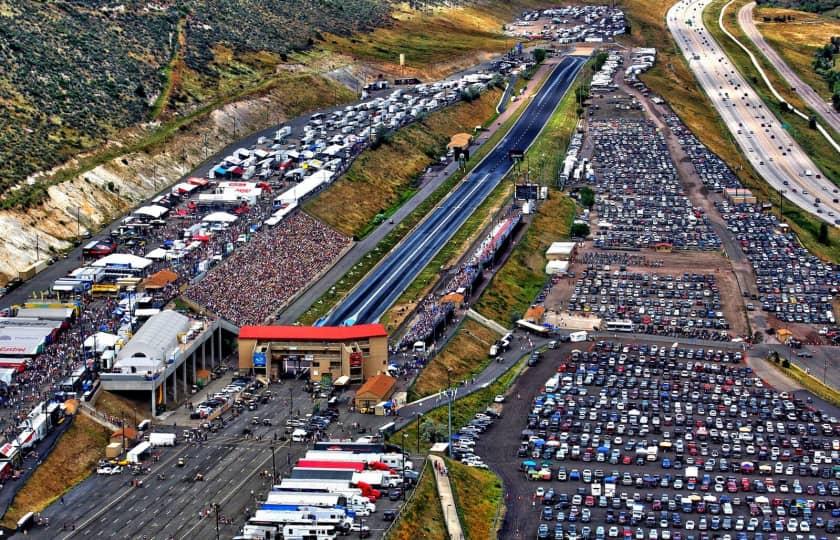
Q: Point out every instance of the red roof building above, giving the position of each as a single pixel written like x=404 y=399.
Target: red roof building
x=329 y=354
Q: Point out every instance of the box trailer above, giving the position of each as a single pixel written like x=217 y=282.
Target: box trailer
x=162 y=439
x=320 y=500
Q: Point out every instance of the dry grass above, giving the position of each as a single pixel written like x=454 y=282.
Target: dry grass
x=478 y=495
x=797 y=41
x=122 y=407
x=383 y=177
x=465 y=355
x=433 y=44
x=422 y=517
x=70 y=462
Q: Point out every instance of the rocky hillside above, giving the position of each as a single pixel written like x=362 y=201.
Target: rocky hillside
x=76 y=71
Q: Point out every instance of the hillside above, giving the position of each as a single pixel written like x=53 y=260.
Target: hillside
x=76 y=71
x=815 y=6
x=151 y=86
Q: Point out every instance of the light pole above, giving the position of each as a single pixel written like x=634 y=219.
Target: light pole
x=216 y=509
x=449 y=406
x=402 y=448
x=273 y=467
x=419 y=415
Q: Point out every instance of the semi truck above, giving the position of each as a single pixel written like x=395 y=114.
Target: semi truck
x=392 y=459
x=357 y=466
x=371 y=478
x=162 y=439
x=325 y=486
x=320 y=500
x=349 y=446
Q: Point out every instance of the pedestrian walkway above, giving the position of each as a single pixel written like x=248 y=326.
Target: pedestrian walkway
x=489 y=323
x=447 y=500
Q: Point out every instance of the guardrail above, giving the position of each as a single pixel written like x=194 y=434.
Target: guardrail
x=387 y=530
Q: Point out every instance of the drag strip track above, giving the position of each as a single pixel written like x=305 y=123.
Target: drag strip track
x=383 y=285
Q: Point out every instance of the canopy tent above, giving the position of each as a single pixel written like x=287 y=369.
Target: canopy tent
x=219 y=217
x=153 y=211
x=101 y=341
x=123 y=260
x=156 y=254
x=7 y=375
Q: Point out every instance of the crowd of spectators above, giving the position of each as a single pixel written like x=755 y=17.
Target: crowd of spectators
x=431 y=314
x=254 y=282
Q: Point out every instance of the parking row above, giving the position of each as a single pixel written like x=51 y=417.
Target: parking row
x=793 y=284
x=665 y=441
x=658 y=304
x=639 y=201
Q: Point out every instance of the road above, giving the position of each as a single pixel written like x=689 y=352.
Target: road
x=808 y=95
x=107 y=507
x=383 y=285
x=762 y=138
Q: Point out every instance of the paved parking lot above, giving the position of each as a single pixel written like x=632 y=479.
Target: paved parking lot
x=640 y=202
x=688 y=442
x=794 y=286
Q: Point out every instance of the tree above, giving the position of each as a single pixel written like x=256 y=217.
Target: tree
x=579 y=230
x=823 y=236
x=812 y=122
x=539 y=55
x=786 y=363
x=600 y=60
x=587 y=197
x=431 y=431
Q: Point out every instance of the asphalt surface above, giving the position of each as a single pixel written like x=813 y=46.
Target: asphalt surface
x=499 y=445
x=368 y=301
x=808 y=95
x=762 y=138
x=108 y=507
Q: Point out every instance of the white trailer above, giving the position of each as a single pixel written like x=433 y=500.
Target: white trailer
x=576 y=337
x=320 y=500
x=377 y=479
x=162 y=439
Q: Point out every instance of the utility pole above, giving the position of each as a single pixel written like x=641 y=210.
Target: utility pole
x=216 y=509
x=78 y=223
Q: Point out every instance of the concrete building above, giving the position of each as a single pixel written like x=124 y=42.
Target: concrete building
x=327 y=352
x=560 y=251
x=168 y=343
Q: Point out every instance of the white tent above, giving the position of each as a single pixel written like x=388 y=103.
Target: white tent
x=123 y=260
x=219 y=217
x=152 y=211
x=7 y=375
x=157 y=254
x=101 y=341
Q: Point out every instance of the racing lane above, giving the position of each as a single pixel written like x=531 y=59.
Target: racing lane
x=383 y=285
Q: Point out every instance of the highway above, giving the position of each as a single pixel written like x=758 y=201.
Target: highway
x=383 y=285
x=808 y=95
x=767 y=145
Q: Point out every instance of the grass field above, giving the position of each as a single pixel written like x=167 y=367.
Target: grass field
x=422 y=517
x=465 y=355
x=797 y=41
x=75 y=455
x=670 y=79
x=383 y=177
x=121 y=407
x=433 y=42
x=478 y=496
x=463 y=409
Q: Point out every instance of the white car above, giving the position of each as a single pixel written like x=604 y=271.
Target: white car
x=499 y=398
x=108 y=471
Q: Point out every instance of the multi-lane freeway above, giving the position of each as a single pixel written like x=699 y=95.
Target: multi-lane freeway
x=808 y=95
x=375 y=294
x=763 y=139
